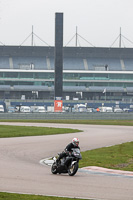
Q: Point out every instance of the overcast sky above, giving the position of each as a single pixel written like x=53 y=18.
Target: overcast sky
x=97 y=21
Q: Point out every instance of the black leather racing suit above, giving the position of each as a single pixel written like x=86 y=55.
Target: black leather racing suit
x=66 y=151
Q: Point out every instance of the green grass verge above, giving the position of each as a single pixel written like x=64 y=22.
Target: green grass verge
x=115 y=157
x=96 y=122
x=14 y=196
x=19 y=131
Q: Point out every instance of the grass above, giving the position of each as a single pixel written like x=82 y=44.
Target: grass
x=19 y=131
x=115 y=157
x=95 y=122
x=13 y=196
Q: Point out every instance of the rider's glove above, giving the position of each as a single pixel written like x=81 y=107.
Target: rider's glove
x=67 y=153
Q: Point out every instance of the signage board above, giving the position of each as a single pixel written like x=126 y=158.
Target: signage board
x=58 y=105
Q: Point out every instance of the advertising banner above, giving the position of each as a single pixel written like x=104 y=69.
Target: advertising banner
x=58 y=105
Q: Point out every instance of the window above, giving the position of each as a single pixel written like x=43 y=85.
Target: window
x=25 y=75
x=10 y=74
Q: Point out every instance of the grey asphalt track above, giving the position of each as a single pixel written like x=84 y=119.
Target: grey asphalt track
x=21 y=172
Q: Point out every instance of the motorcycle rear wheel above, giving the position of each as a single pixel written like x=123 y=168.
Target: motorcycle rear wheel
x=73 y=169
x=54 y=169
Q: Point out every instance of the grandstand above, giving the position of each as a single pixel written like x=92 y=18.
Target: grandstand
x=27 y=70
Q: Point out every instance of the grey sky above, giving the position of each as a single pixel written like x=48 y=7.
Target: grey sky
x=98 y=21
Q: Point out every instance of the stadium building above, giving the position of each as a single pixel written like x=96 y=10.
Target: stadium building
x=89 y=73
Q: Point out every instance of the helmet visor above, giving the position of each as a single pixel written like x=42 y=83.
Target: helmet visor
x=77 y=143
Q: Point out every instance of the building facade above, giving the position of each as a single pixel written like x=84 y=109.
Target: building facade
x=89 y=73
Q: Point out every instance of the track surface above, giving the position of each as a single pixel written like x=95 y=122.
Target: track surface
x=20 y=170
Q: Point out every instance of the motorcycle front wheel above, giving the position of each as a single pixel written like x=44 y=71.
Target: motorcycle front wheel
x=54 y=169
x=73 y=169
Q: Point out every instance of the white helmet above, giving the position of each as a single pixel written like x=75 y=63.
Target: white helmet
x=75 y=142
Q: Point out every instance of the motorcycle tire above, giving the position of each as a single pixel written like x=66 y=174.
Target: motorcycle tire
x=72 y=170
x=54 y=169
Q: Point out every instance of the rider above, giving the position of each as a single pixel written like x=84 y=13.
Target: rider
x=68 y=149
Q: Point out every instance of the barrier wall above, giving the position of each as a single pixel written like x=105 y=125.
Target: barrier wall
x=65 y=116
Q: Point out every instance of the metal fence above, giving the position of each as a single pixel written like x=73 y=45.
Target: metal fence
x=75 y=116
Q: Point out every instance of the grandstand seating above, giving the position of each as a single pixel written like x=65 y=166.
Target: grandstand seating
x=129 y=89
x=115 y=89
x=47 y=63
x=98 y=64
x=128 y=64
x=73 y=64
x=74 y=58
x=4 y=87
x=114 y=64
x=30 y=87
x=4 y=62
x=108 y=89
x=74 y=88
x=51 y=59
x=29 y=63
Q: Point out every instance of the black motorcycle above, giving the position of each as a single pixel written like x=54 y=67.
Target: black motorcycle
x=68 y=164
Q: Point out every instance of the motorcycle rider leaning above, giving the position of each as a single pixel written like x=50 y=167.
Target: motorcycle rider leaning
x=69 y=147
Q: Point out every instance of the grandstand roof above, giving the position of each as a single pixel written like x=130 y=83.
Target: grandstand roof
x=83 y=52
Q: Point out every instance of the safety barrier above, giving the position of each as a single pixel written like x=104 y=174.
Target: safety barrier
x=75 y=116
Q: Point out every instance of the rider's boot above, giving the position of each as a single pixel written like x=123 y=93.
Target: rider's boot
x=57 y=161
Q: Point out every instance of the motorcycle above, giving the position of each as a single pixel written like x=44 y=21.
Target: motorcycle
x=68 y=164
